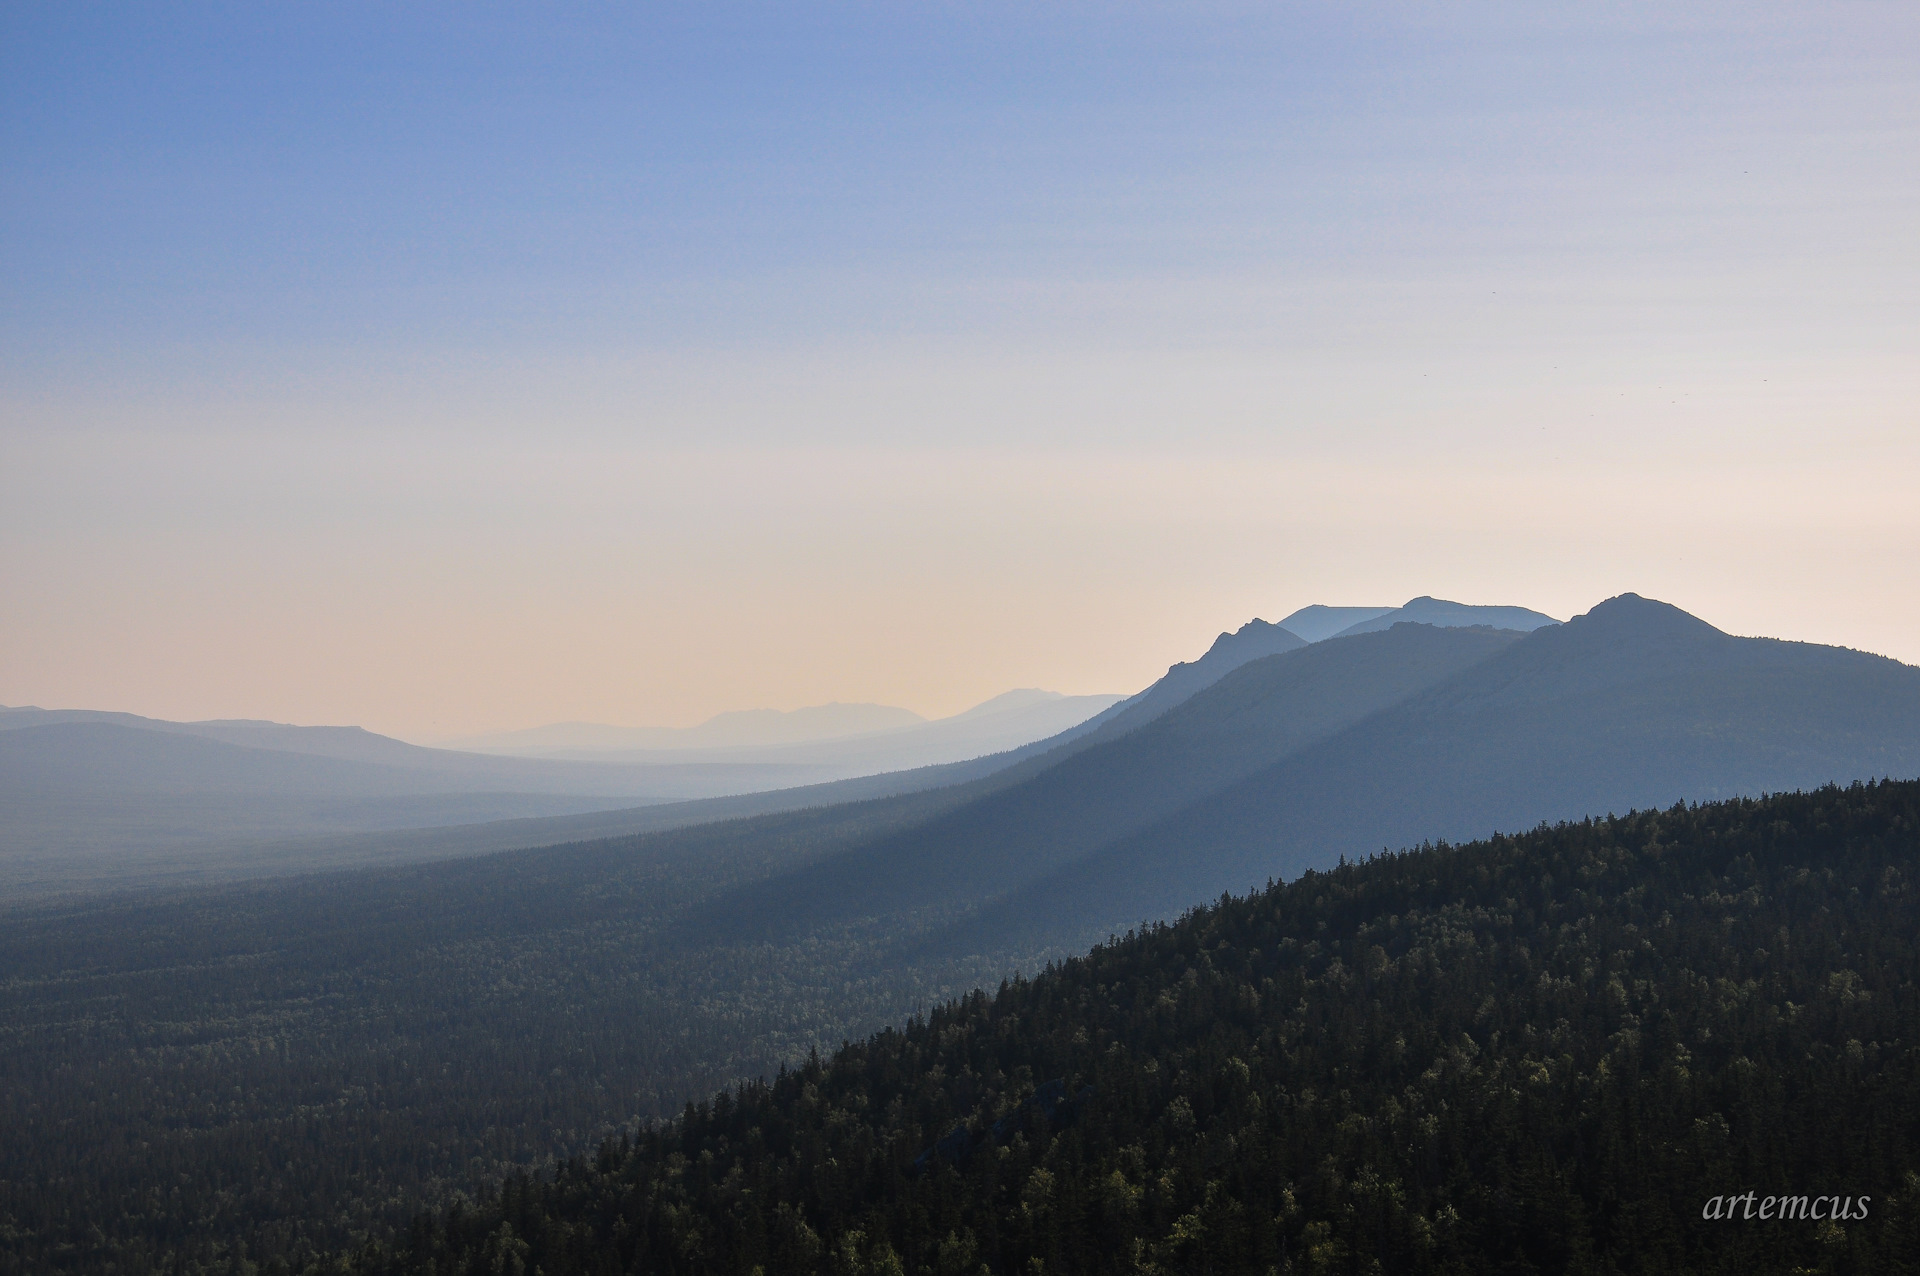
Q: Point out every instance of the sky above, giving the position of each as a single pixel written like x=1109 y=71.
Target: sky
x=449 y=368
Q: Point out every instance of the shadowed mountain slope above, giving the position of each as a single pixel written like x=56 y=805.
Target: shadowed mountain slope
x=1634 y=705
x=1255 y=640
x=1535 y=1054
x=1261 y=712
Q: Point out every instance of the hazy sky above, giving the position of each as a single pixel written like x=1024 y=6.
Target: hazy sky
x=444 y=368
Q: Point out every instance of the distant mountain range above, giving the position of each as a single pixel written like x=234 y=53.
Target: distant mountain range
x=849 y=739
x=1109 y=788
x=113 y=798
x=742 y=728
x=90 y=797
x=1266 y=754
x=1378 y=739
x=1258 y=639
x=1317 y=623
x=595 y=973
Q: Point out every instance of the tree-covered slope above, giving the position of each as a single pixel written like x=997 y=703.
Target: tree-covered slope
x=1544 y=1053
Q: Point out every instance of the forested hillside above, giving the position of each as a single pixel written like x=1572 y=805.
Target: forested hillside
x=282 y=1070
x=1544 y=1053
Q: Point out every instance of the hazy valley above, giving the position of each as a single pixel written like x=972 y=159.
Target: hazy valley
x=309 y=1061
x=959 y=640
x=102 y=800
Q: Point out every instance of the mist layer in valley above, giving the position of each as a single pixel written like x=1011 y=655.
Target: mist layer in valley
x=93 y=800
x=114 y=799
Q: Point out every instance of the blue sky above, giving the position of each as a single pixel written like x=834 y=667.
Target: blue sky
x=491 y=177
x=1116 y=314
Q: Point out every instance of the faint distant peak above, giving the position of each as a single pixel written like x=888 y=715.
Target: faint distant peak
x=1443 y=614
x=736 y=728
x=835 y=715
x=1008 y=702
x=1311 y=624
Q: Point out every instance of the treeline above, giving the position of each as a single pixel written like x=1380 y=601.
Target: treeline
x=1543 y=1053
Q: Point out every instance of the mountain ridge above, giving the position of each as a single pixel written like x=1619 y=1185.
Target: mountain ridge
x=1255 y=640
x=1262 y=709
x=1426 y=610
x=1318 y=621
x=1636 y=704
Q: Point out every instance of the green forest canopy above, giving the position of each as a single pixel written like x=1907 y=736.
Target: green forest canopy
x=1543 y=1053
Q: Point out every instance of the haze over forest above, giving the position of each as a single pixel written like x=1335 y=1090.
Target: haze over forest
x=988 y=640
x=624 y=961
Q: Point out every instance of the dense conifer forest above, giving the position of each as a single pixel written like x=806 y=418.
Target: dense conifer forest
x=1560 y=1035
x=1542 y=1053
x=274 y=1072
